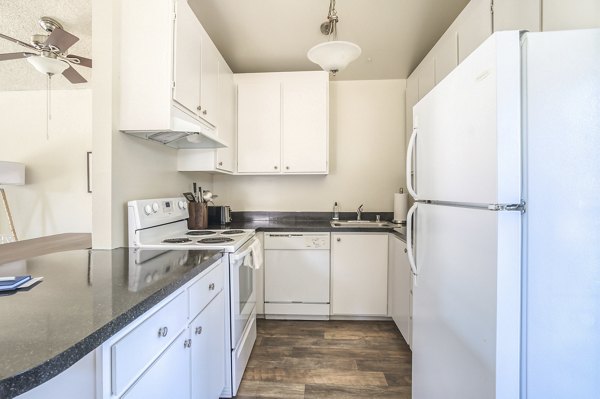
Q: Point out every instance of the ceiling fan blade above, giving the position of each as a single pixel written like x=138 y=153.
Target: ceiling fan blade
x=61 y=39
x=11 y=39
x=86 y=62
x=14 y=56
x=73 y=76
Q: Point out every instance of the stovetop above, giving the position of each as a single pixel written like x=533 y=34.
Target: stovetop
x=161 y=223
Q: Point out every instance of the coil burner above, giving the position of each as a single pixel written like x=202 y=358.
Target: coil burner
x=176 y=240
x=232 y=232
x=215 y=240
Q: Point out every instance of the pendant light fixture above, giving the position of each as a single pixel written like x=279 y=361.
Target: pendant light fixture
x=333 y=55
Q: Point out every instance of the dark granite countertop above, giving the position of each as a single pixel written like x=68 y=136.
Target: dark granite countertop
x=86 y=297
x=308 y=222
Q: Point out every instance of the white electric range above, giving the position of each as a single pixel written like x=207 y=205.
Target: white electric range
x=161 y=224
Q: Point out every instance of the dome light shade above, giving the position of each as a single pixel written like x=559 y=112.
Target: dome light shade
x=48 y=65
x=334 y=56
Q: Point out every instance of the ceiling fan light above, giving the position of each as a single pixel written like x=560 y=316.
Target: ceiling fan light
x=334 y=56
x=48 y=65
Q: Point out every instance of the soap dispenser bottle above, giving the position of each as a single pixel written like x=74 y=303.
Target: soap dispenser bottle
x=336 y=211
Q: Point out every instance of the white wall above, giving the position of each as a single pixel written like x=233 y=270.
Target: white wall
x=366 y=158
x=125 y=168
x=55 y=198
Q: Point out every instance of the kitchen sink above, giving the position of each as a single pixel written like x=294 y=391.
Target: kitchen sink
x=360 y=224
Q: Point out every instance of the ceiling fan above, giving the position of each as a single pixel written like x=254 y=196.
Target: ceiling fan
x=48 y=53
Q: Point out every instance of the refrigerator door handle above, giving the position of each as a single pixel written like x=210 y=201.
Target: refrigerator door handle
x=409 y=159
x=409 y=240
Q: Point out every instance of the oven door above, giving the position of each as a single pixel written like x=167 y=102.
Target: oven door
x=243 y=290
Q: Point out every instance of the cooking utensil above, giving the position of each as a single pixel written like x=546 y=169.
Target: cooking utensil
x=195 y=191
x=200 y=199
x=190 y=197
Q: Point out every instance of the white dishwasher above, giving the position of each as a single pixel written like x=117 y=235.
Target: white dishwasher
x=297 y=275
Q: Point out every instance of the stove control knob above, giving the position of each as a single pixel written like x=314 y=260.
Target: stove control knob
x=185 y=205
x=147 y=209
x=155 y=207
x=181 y=205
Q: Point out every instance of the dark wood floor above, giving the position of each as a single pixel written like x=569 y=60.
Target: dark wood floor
x=330 y=359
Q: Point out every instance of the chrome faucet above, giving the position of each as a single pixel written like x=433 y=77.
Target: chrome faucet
x=359 y=212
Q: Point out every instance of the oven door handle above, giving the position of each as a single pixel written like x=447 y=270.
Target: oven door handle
x=241 y=255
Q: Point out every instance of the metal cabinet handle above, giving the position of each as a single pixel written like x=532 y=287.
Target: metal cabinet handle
x=275 y=167
x=211 y=286
x=187 y=343
x=287 y=167
x=199 y=108
x=220 y=163
x=204 y=112
x=198 y=330
x=162 y=332
x=405 y=250
x=339 y=239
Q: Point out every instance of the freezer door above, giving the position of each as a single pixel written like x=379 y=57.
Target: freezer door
x=563 y=218
x=468 y=129
x=466 y=304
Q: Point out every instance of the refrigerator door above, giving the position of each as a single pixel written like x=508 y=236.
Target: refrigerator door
x=466 y=303
x=468 y=129
x=562 y=334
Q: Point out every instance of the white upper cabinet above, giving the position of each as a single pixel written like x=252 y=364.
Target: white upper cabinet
x=572 y=14
x=226 y=118
x=283 y=123
x=209 y=80
x=259 y=125
x=169 y=71
x=426 y=76
x=305 y=120
x=445 y=54
x=517 y=15
x=474 y=26
x=186 y=60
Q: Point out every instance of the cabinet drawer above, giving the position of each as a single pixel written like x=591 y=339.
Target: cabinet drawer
x=205 y=289
x=134 y=352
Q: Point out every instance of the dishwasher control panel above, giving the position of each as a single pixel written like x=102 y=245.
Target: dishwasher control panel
x=295 y=240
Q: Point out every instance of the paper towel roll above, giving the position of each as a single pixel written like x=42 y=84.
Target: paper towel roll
x=400 y=207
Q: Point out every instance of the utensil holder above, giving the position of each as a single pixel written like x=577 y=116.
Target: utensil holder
x=198 y=219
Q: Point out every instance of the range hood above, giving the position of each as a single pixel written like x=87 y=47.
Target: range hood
x=183 y=132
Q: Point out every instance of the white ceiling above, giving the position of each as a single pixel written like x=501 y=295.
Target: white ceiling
x=274 y=35
x=256 y=35
x=18 y=19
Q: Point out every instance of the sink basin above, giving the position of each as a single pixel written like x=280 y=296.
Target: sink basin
x=360 y=224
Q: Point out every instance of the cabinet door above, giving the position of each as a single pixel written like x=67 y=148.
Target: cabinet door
x=573 y=14
x=186 y=69
x=400 y=284
x=518 y=15
x=359 y=274
x=208 y=350
x=168 y=376
x=426 y=75
x=474 y=26
x=209 y=80
x=445 y=53
x=259 y=126
x=412 y=97
x=305 y=123
x=226 y=120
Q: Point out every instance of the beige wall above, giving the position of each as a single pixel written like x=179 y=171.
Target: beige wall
x=125 y=168
x=55 y=198
x=366 y=158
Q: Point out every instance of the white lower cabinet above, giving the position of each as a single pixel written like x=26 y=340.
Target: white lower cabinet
x=162 y=356
x=359 y=274
x=168 y=376
x=207 y=338
x=400 y=285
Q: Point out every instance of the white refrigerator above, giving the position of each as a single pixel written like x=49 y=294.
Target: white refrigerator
x=504 y=235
